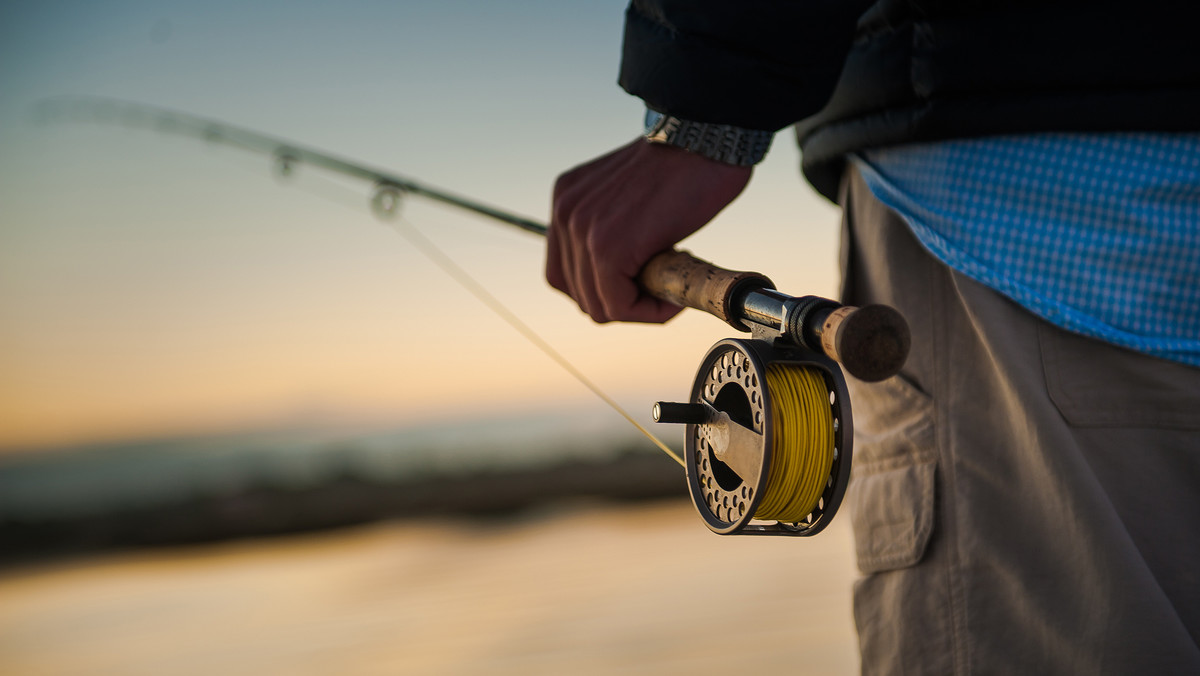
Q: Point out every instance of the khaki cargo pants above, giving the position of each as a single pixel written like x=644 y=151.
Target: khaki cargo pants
x=1024 y=500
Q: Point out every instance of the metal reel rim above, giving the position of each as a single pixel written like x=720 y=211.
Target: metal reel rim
x=746 y=349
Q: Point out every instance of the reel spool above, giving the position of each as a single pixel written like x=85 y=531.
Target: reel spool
x=768 y=440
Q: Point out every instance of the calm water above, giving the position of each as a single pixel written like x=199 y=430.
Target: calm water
x=574 y=589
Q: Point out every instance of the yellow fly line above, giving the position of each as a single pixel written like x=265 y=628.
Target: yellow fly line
x=802 y=451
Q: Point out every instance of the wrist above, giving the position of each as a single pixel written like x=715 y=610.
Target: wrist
x=724 y=143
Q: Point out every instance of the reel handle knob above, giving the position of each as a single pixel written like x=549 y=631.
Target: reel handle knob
x=681 y=414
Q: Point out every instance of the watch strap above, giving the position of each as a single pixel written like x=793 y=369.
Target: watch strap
x=721 y=142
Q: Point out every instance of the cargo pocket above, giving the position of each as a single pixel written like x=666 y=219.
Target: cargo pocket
x=1094 y=384
x=891 y=494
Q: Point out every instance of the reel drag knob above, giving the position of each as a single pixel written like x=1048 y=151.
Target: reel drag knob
x=767 y=441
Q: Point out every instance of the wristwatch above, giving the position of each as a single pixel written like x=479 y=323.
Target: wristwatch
x=721 y=142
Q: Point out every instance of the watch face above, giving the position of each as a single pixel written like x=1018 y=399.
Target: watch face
x=652 y=118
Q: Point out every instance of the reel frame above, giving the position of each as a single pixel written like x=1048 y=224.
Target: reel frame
x=730 y=386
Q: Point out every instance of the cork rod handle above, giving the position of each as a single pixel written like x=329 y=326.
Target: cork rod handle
x=679 y=277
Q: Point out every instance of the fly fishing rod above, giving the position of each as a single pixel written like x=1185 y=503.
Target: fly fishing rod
x=768 y=439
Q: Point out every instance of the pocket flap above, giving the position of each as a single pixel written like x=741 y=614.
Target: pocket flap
x=1094 y=384
x=892 y=511
x=891 y=493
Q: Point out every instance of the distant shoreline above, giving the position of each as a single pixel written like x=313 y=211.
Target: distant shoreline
x=341 y=498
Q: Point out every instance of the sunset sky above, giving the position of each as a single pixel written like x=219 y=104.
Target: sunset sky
x=153 y=286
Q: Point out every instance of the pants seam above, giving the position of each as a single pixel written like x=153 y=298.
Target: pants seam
x=959 y=649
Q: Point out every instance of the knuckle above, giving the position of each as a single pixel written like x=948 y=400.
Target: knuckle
x=562 y=184
x=555 y=278
x=597 y=241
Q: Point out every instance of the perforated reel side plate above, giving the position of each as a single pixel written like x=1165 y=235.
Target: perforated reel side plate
x=731 y=378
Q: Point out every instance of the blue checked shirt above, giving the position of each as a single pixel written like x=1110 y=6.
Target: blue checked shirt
x=1096 y=233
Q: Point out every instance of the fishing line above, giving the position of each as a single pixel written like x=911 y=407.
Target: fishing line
x=802 y=452
x=414 y=237
x=385 y=206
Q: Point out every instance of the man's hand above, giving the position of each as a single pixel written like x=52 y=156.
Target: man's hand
x=616 y=212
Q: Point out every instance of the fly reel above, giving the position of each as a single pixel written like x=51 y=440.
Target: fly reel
x=768 y=440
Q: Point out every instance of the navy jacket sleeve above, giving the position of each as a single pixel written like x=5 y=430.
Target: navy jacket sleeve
x=757 y=64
